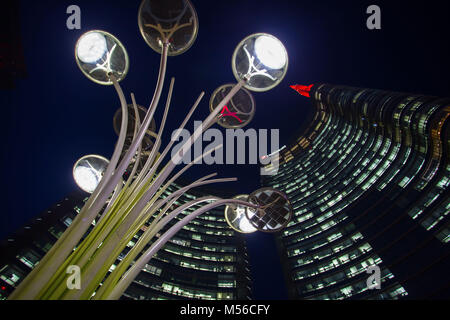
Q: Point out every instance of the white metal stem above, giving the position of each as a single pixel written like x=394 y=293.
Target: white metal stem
x=146 y=237
x=131 y=274
x=32 y=284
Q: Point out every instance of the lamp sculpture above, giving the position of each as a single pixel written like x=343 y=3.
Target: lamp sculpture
x=120 y=204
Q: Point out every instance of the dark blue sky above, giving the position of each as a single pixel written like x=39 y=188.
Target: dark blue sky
x=55 y=115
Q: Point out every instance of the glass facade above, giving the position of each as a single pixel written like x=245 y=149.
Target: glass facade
x=368 y=181
x=205 y=260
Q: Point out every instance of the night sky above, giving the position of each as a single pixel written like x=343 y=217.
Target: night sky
x=55 y=114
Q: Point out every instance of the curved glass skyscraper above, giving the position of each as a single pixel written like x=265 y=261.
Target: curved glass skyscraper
x=368 y=181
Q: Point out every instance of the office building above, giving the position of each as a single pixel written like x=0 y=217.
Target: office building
x=368 y=180
x=205 y=260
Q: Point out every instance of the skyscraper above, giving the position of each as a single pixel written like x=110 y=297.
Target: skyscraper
x=368 y=181
x=205 y=260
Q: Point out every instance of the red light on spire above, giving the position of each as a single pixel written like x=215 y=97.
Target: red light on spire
x=303 y=90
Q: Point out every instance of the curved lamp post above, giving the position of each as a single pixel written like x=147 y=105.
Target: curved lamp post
x=123 y=205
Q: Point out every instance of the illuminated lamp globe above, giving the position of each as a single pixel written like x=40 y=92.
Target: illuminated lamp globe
x=99 y=55
x=270 y=52
x=92 y=47
x=236 y=217
x=262 y=60
x=88 y=171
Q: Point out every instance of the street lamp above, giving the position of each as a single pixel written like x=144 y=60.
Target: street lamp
x=99 y=54
x=239 y=110
x=236 y=216
x=88 y=171
x=261 y=60
x=124 y=205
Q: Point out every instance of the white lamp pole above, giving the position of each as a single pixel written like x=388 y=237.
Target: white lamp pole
x=259 y=64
